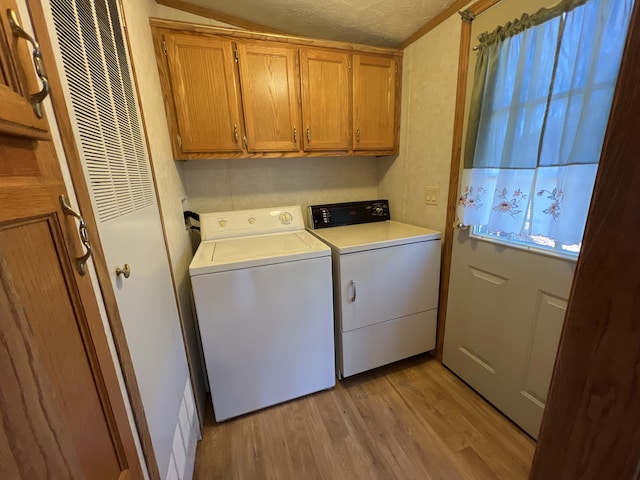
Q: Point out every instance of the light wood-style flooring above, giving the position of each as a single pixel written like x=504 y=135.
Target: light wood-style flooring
x=410 y=420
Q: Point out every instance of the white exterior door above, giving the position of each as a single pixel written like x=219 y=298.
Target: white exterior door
x=102 y=101
x=506 y=306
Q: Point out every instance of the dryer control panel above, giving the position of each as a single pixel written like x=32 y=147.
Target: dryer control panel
x=351 y=213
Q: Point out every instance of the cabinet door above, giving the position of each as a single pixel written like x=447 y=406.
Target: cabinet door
x=17 y=81
x=374 y=102
x=63 y=412
x=269 y=81
x=387 y=283
x=205 y=92
x=326 y=86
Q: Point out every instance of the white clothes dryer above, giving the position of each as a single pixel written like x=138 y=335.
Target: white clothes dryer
x=386 y=282
x=263 y=296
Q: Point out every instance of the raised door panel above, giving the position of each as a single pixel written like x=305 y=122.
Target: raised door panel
x=205 y=93
x=270 y=99
x=17 y=81
x=388 y=283
x=374 y=102
x=505 y=313
x=63 y=414
x=326 y=86
x=45 y=351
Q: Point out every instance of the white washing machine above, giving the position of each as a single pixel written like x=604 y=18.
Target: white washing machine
x=386 y=279
x=263 y=294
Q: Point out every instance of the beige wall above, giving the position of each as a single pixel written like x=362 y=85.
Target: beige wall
x=250 y=183
x=428 y=102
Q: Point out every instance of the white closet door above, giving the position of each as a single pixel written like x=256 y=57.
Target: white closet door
x=97 y=78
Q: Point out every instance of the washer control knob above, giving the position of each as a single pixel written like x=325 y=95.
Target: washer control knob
x=222 y=223
x=378 y=209
x=285 y=218
x=251 y=220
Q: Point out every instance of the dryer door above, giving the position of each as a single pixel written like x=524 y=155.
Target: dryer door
x=387 y=283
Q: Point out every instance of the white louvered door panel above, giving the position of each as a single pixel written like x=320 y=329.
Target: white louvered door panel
x=96 y=69
x=100 y=94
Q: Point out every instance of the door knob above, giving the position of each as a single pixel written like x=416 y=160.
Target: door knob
x=126 y=271
x=460 y=226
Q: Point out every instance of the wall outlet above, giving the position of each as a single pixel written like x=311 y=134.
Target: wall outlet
x=431 y=195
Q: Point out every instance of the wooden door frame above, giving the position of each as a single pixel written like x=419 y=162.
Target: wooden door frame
x=80 y=186
x=590 y=424
x=589 y=429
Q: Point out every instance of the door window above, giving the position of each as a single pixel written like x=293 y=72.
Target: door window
x=540 y=105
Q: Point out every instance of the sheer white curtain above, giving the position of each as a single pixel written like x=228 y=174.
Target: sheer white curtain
x=543 y=92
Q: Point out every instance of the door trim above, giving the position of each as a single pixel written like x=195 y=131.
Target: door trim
x=102 y=270
x=592 y=408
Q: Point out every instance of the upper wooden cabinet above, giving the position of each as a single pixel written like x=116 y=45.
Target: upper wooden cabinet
x=205 y=93
x=270 y=99
x=374 y=102
x=20 y=93
x=326 y=97
x=231 y=93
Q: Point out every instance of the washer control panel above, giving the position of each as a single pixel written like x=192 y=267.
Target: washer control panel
x=351 y=213
x=239 y=223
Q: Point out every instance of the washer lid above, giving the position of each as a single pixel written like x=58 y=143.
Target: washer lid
x=368 y=236
x=257 y=250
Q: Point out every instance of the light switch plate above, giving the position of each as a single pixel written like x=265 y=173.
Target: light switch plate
x=431 y=195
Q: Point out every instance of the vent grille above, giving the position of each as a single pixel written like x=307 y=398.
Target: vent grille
x=96 y=68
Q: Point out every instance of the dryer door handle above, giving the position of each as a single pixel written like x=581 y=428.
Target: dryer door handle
x=355 y=291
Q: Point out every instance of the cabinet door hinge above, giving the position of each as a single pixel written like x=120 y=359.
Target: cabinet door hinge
x=235 y=55
x=164 y=47
x=179 y=138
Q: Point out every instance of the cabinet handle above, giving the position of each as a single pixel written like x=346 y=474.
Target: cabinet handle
x=38 y=62
x=244 y=140
x=295 y=136
x=355 y=291
x=84 y=235
x=308 y=135
x=235 y=134
x=358 y=135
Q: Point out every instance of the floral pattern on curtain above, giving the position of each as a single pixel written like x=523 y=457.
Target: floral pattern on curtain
x=540 y=105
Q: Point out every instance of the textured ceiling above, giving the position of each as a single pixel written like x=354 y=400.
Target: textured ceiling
x=375 y=22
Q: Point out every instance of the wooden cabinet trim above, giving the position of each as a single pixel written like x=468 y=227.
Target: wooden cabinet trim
x=319 y=153
x=288 y=39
